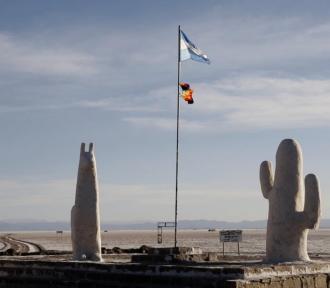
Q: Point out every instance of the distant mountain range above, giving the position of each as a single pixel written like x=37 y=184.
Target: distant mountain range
x=33 y=225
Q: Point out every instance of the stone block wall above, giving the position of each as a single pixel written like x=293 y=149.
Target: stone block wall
x=18 y=274
x=299 y=281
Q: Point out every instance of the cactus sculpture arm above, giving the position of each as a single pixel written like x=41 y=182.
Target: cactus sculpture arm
x=266 y=178
x=312 y=201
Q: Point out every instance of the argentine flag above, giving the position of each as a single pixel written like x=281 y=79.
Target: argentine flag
x=189 y=51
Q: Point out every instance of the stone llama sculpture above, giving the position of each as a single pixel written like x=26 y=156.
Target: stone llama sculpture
x=292 y=211
x=85 y=219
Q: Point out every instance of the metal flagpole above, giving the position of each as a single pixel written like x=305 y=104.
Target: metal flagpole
x=177 y=143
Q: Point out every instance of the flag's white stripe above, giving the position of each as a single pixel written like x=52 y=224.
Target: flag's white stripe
x=183 y=44
x=184 y=52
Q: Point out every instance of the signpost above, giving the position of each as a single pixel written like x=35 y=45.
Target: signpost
x=60 y=233
x=230 y=236
x=160 y=226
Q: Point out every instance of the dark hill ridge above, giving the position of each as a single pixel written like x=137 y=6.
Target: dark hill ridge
x=34 y=225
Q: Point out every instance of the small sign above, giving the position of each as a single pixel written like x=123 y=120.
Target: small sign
x=231 y=236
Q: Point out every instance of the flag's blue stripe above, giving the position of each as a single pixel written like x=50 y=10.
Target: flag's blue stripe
x=186 y=39
x=198 y=57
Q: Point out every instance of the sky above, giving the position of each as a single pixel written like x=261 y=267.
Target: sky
x=106 y=72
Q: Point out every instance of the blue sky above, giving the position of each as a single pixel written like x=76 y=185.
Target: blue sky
x=105 y=72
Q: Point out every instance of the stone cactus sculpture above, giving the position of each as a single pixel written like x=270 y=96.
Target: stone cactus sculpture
x=294 y=206
x=85 y=219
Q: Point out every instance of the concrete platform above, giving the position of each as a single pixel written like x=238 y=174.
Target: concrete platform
x=116 y=271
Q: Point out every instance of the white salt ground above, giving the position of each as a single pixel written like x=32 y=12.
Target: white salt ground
x=253 y=240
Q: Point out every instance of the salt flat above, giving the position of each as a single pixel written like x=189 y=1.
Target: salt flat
x=254 y=241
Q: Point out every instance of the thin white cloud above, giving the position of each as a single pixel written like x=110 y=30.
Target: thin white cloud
x=17 y=109
x=23 y=56
x=166 y=123
x=17 y=194
x=154 y=101
x=53 y=199
x=265 y=42
x=231 y=104
x=262 y=102
x=250 y=103
x=121 y=105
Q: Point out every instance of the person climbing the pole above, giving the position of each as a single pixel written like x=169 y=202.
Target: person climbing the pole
x=186 y=92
